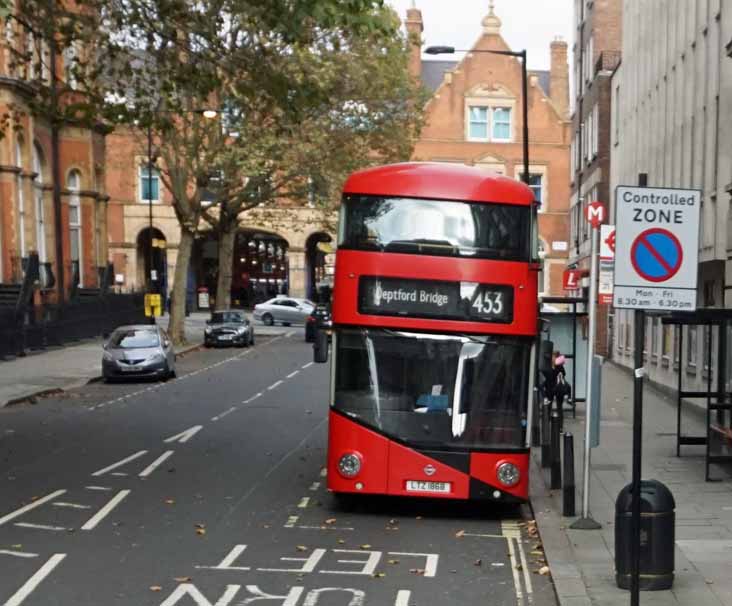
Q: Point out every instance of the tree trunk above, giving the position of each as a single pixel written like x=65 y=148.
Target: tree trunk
x=176 y=329
x=227 y=237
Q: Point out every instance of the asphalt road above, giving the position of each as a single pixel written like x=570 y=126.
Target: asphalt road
x=208 y=490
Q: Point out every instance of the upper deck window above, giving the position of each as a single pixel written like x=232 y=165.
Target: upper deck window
x=436 y=227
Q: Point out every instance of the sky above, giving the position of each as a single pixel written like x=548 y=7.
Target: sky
x=529 y=24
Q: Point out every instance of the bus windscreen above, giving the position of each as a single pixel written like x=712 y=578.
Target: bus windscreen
x=436 y=227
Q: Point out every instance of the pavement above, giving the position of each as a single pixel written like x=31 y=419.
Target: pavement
x=63 y=368
x=210 y=489
x=582 y=561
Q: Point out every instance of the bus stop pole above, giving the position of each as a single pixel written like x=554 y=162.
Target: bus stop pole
x=586 y=522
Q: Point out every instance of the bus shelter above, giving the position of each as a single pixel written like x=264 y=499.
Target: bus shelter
x=716 y=394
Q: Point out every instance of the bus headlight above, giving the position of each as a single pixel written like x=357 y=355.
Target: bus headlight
x=349 y=465
x=508 y=474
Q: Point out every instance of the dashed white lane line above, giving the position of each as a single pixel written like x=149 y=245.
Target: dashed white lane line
x=70 y=505
x=254 y=397
x=291 y=521
x=223 y=414
x=314 y=486
x=18 y=554
x=308 y=365
x=137 y=455
x=402 y=598
x=292 y=374
x=99 y=488
x=156 y=463
x=275 y=384
x=304 y=502
x=29 y=586
x=105 y=511
x=184 y=436
x=40 y=526
x=26 y=508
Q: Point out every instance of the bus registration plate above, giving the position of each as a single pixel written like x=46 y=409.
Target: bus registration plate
x=422 y=486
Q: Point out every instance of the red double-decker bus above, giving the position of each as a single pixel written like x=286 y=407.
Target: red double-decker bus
x=434 y=330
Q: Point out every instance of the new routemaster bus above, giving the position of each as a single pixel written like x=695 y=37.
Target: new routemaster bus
x=434 y=327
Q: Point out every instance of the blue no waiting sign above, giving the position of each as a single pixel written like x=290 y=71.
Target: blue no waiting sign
x=656 y=255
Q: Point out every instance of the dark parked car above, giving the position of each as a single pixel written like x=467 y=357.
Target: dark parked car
x=138 y=351
x=229 y=328
x=320 y=314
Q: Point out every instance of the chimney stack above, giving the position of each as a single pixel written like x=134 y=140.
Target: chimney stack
x=415 y=27
x=559 y=77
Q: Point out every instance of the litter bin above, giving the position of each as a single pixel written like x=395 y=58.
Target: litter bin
x=657 y=534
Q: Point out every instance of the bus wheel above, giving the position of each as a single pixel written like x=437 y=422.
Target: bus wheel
x=344 y=501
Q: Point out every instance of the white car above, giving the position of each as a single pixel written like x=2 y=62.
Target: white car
x=287 y=310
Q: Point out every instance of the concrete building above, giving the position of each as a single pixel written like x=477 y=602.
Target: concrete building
x=474 y=117
x=598 y=27
x=28 y=216
x=672 y=96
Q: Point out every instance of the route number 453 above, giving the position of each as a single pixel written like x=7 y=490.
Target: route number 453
x=489 y=303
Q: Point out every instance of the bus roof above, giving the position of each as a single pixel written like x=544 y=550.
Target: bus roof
x=436 y=181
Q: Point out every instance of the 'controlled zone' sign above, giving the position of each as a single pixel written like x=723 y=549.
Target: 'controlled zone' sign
x=656 y=248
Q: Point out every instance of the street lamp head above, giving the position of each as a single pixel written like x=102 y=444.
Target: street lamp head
x=440 y=50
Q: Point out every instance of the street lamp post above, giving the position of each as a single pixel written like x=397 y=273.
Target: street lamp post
x=450 y=50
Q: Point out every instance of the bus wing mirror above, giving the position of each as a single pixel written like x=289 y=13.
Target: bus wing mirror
x=320 y=347
x=545 y=356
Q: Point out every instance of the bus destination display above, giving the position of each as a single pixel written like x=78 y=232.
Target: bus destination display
x=467 y=301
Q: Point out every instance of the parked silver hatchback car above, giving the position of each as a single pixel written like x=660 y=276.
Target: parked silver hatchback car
x=138 y=351
x=287 y=310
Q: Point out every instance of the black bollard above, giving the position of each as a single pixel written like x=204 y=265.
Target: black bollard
x=546 y=459
x=568 y=476
x=556 y=464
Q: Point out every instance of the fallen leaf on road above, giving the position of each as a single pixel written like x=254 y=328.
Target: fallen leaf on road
x=341 y=542
x=367 y=546
x=379 y=575
x=200 y=531
x=301 y=548
x=544 y=570
x=18 y=546
x=478 y=562
x=330 y=521
x=460 y=534
x=393 y=522
x=169 y=501
x=419 y=571
x=393 y=561
x=182 y=579
x=536 y=552
x=156 y=588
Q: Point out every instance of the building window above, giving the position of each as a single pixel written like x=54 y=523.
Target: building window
x=38 y=194
x=654 y=337
x=489 y=123
x=74 y=185
x=536 y=183
x=617 y=114
x=478 y=123
x=71 y=58
x=667 y=343
x=21 y=197
x=691 y=346
x=594 y=135
x=149 y=185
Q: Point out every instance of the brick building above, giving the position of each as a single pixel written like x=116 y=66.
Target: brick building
x=474 y=117
x=28 y=216
x=598 y=40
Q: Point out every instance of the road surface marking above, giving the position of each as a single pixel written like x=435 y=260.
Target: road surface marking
x=71 y=505
x=314 y=486
x=291 y=521
x=368 y=566
x=19 y=596
x=226 y=563
x=313 y=597
x=292 y=374
x=289 y=334
x=119 y=474
x=402 y=598
x=309 y=563
x=432 y=559
x=525 y=569
x=100 y=488
x=18 y=554
x=274 y=385
x=254 y=397
x=40 y=526
x=327 y=527
x=37 y=503
x=223 y=414
x=308 y=365
x=484 y=536
x=514 y=570
x=184 y=436
x=190 y=590
x=304 y=502
x=137 y=455
x=156 y=463
x=105 y=511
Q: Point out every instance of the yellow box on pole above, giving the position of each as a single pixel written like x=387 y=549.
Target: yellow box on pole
x=153 y=305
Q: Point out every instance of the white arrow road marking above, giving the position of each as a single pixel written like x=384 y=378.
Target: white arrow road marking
x=19 y=596
x=104 y=511
x=184 y=436
x=137 y=455
x=156 y=463
x=19 y=512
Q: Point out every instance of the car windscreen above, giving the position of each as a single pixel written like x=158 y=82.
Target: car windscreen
x=434 y=390
x=436 y=227
x=222 y=317
x=134 y=339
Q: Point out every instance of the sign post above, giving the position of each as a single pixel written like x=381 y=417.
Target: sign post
x=656 y=256
x=595 y=215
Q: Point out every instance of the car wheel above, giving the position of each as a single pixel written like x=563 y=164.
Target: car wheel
x=268 y=319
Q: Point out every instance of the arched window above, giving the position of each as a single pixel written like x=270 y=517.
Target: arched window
x=74 y=186
x=20 y=196
x=38 y=195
